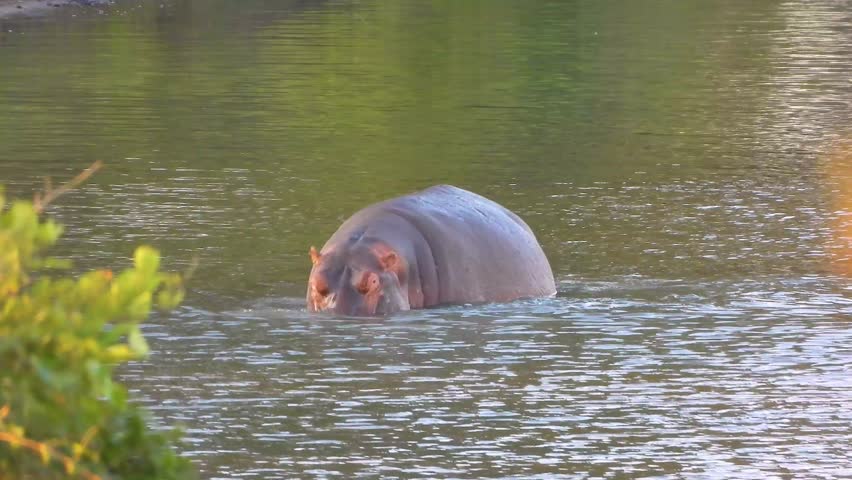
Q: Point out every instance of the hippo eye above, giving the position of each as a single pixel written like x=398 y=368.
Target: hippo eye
x=364 y=285
x=369 y=282
x=321 y=289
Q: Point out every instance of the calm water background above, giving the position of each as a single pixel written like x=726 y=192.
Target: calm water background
x=685 y=164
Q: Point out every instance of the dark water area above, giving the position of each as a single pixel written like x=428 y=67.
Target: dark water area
x=687 y=167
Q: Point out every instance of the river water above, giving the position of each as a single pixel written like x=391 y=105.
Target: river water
x=687 y=167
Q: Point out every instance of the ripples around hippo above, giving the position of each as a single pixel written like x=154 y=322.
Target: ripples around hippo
x=732 y=380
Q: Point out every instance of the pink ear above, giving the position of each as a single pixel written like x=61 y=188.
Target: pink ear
x=390 y=260
x=315 y=256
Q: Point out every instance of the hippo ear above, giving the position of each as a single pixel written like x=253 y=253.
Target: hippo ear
x=315 y=256
x=390 y=261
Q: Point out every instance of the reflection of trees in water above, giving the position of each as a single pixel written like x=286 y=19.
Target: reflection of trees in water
x=184 y=21
x=809 y=110
x=808 y=96
x=298 y=113
x=838 y=184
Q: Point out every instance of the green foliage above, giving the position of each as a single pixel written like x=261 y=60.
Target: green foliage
x=61 y=413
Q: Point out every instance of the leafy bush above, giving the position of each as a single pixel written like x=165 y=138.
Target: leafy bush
x=61 y=413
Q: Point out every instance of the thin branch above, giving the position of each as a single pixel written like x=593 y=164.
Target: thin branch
x=42 y=200
x=190 y=269
x=42 y=449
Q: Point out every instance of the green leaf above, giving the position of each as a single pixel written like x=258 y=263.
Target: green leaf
x=23 y=217
x=137 y=342
x=139 y=308
x=169 y=298
x=47 y=233
x=146 y=259
x=119 y=354
x=61 y=339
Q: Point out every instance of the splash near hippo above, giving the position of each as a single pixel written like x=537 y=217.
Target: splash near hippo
x=439 y=246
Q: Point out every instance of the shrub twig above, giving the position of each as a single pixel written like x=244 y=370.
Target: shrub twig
x=42 y=199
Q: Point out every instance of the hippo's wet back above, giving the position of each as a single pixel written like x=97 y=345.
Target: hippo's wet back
x=442 y=245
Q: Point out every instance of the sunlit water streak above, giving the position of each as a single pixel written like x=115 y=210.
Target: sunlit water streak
x=618 y=377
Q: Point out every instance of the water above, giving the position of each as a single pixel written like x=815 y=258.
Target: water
x=687 y=167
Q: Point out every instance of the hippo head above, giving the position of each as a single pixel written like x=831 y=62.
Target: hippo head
x=367 y=279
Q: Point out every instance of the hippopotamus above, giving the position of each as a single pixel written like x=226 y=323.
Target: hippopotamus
x=438 y=246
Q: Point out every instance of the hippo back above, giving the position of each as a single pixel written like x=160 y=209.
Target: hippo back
x=482 y=252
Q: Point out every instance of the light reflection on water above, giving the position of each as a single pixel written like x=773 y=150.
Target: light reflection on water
x=620 y=377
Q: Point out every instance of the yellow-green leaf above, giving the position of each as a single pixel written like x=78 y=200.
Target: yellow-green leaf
x=140 y=306
x=70 y=466
x=169 y=298
x=137 y=342
x=44 y=452
x=146 y=259
x=119 y=353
